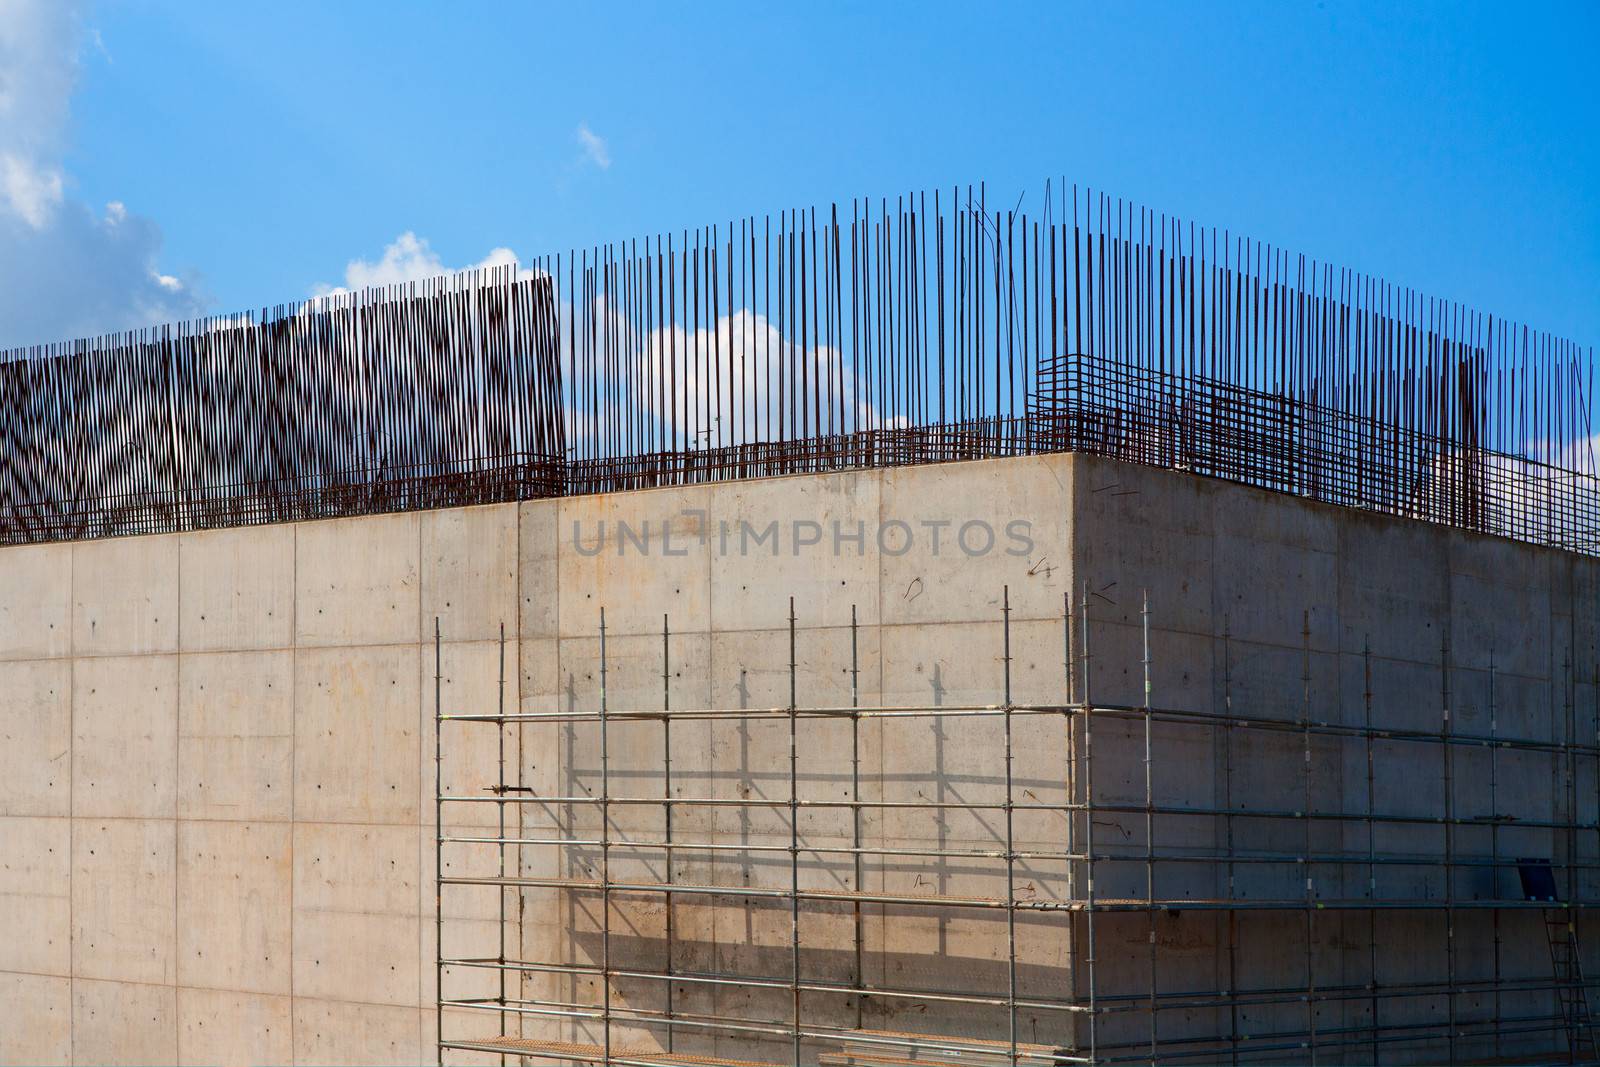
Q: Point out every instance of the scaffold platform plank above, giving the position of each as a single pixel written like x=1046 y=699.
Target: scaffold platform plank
x=937 y=1050
x=590 y=1053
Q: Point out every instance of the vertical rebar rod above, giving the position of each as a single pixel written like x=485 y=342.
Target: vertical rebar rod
x=1011 y=848
x=1149 y=826
x=563 y=398
x=605 y=853
x=438 y=841
x=666 y=808
x=794 y=836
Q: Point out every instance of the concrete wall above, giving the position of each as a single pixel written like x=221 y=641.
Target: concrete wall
x=213 y=792
x=1325 y=611
x=216 y=749
x=1258 y=602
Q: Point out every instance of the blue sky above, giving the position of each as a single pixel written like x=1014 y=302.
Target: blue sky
x=163 y=159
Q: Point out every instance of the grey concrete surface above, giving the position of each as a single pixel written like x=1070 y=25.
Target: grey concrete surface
x=216 y=766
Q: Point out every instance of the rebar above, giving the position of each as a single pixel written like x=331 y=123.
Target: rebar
x=888 y=335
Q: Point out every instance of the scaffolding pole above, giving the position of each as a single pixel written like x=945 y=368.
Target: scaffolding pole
x=1089 y=1006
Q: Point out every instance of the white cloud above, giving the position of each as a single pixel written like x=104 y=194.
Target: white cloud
x=730 y=383
x=39 y=42
x=594 y=146
x=29 y=191
x=1579 y=455
x=66 y=270
x=408 y=258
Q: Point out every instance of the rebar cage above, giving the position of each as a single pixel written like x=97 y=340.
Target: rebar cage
x=934 y=328
x=1073 y=881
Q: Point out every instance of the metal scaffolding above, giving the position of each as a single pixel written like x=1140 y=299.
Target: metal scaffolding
x=1376 y=883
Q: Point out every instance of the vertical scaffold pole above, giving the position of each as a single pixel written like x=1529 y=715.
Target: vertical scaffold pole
x=1088 y=820
x=1372 y=847
x=666 y=803
x=1227 y=827
x=1569 y=700
x=794 y=838
x=1494 y=835
x=1305 y=816
x=438 y=841
x=1011 y=849
x=1149 y=828
x=605 y=855
x=855 y=813
x=1587 y=892
x=1570 y=729
x=500 y=812
x=1070 y=669
x=1448 y=759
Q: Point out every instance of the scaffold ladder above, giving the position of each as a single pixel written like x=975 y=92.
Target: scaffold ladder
x=1571 y=992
